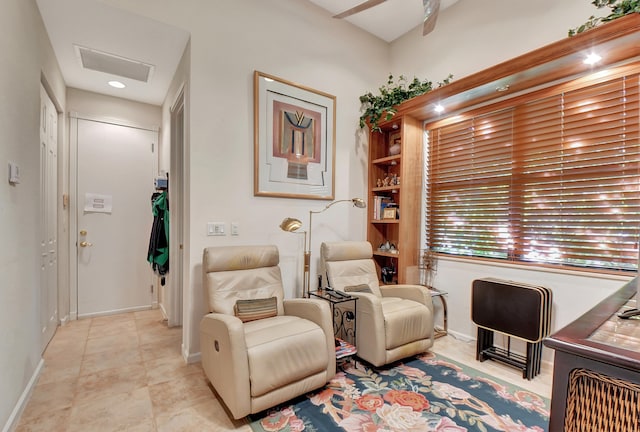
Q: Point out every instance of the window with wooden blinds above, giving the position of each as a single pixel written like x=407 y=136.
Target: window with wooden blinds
x=552 y=180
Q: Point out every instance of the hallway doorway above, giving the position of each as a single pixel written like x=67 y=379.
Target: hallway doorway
x=173 y=297
x=115 y=168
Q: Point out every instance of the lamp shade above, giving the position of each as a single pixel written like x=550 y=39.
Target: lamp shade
x=359 y=202
x=290 y=224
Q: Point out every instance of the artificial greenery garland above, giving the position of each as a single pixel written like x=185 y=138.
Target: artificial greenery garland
x=391 y=95
x=394 y=93
x=619 y=8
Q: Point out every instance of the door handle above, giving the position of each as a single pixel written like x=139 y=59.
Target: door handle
x=85 y=244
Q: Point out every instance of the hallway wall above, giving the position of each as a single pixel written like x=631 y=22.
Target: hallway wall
x=26 y=59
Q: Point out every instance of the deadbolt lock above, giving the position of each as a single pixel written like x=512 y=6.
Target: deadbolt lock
x=83 y=232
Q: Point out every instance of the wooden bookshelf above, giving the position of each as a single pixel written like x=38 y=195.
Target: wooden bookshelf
x=404 y=231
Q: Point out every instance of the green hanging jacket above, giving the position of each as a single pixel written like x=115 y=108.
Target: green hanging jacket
x=158 y=255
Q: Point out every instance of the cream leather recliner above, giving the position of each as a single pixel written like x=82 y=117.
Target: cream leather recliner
x=258 y=349
x=392 y=321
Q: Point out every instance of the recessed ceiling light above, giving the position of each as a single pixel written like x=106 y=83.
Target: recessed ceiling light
x=117 y=84
x=438 y=108
x=592 y=58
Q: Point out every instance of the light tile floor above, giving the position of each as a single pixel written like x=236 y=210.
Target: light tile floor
x=125 y=373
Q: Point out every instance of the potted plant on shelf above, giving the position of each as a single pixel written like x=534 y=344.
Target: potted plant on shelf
x=619 y=8
x=392 y=94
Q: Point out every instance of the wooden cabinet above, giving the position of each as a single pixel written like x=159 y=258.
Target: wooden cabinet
x=404 y=195
x=596 y=368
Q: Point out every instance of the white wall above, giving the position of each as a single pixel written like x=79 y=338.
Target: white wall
x=293 y=40
x=109 y=108
x=471 y=36
x=573 y=293
x=26 y=54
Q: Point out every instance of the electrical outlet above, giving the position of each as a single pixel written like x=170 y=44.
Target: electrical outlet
x=216 y=229
x=234 y=228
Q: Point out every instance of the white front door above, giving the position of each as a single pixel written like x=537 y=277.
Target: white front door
x=48 y=218
x=115 y=169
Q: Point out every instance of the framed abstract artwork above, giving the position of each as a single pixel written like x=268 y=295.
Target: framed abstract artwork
x=294 y=140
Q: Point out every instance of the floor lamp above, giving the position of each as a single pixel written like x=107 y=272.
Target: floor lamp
x=293 y=225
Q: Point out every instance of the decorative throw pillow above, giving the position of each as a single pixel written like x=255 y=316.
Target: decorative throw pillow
x=255 y=309
x=363 y=288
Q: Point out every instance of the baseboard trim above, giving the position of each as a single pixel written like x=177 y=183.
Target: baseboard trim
x=14 y=418
x=190 y=358
x=115 y=311
x=163 y=311
x=461 y=336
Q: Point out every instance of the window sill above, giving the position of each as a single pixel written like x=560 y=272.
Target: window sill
x=601 y=274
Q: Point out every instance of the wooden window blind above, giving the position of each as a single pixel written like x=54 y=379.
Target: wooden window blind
x=553 y=180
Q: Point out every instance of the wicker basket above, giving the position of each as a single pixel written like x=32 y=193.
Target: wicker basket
x=599 y=403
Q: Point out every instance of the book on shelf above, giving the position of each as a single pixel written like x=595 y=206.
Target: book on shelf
x=379 y=204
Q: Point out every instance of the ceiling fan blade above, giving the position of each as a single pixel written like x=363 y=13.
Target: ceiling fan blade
x=431 y=9
x=359 y=8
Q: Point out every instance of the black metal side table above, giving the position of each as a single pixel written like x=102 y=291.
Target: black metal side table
x=344 y=321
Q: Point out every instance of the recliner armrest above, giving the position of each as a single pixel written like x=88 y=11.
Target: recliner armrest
x=370 y=325
x=417 y=293
x=315 y=310
x=319 y=312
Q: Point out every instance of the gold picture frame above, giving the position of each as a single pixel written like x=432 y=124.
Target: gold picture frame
x=389 y=213
x=294 y=140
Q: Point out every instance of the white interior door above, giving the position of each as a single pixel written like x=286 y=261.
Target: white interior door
x=48 y=218
x=115 y=170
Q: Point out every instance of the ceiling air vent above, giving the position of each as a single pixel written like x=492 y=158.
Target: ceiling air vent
x=112 y=64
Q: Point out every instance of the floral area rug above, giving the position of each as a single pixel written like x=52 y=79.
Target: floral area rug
x=425 y=393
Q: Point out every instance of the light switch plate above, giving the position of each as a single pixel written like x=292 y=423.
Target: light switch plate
x=14 y=173
x=216 y=229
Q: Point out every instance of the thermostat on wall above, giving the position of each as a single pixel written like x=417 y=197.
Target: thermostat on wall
x=14 y=173
x=161 y=183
